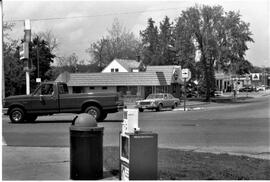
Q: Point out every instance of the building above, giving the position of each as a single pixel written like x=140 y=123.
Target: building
x=128 y=78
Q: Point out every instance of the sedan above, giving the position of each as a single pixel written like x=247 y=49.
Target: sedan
x=158 y=101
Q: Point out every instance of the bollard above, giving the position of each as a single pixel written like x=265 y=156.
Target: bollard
x=86 y=148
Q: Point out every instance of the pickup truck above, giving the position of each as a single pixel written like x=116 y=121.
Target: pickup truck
x=53 y=97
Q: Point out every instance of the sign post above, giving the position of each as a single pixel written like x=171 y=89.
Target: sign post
x=185 y=93
x=186 y=75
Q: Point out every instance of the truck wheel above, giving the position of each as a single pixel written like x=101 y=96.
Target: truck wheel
x=31 y=118
x=16 y=115
x=94 y=111
x=140 y=109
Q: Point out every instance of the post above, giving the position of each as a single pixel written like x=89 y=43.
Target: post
x=185 y=94
x=2 y=52
x=37 y=59
x=27 y=39
x=27 y=76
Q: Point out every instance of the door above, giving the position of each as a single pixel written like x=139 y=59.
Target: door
x=44 y=99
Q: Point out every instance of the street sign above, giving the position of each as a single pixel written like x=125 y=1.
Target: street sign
x=186 y=74
x=255 y=76
x=38 y=80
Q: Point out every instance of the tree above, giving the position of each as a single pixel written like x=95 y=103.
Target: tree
x=220 y=37
x=50 y=38
x=166 y=43
x=150 y=43
x=119 y=43
x=13 y=67
x=41 y=57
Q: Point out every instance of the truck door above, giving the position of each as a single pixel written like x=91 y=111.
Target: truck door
x=45 y=99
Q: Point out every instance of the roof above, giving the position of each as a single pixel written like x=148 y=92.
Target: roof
x=128 y=63
x=151 y=77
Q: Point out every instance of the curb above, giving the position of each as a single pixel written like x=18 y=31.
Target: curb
x=188 y=109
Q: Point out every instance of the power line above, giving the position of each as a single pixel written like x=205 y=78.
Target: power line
x=90 y=16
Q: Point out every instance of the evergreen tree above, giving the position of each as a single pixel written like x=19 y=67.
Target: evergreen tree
x=150 y=43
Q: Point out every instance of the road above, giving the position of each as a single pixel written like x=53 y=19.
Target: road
x=233 y=128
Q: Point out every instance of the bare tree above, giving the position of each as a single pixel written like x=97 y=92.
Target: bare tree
x=50 y=38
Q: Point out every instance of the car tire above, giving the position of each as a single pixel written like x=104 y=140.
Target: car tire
x=159 y=107
x=30 y=118
x=140 y=109
x=17 y=115
x=174 y=106
x=94 y=111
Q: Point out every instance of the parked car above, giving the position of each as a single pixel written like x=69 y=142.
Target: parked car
x=157 y=102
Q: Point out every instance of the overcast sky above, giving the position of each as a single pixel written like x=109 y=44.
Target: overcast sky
x=76 y=35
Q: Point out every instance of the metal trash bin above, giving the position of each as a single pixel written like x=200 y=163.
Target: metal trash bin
x=86 y=148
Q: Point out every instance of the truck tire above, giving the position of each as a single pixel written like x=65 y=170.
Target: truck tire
x=17 y=115
x=94 y=111
x=30 y=118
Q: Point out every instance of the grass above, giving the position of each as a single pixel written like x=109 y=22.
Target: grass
x=186 y=165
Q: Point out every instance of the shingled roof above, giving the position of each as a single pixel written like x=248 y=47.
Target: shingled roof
x=128 y=63
x=153 y=76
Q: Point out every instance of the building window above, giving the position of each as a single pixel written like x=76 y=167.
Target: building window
x=116 y=70
x=104 y=88
x=92 y=88
x=112 y=70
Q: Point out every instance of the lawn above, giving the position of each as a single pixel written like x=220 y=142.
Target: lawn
x=187 y=165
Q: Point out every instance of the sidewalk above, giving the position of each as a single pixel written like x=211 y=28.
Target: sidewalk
x=39 y=163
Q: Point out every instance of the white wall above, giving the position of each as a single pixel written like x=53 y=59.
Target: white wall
x=113 y=65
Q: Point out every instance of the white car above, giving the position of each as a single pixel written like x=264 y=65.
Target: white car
x=157 y=102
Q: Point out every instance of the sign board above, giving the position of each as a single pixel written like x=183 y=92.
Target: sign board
x=255 y=76
x=186 y=74
x=130 y=121
x=38 y=80
x=176 y=76
x=24 y=51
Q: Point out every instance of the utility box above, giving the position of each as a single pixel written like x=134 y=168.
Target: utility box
x=138 y=151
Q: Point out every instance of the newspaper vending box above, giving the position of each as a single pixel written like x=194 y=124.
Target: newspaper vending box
x=138 y=150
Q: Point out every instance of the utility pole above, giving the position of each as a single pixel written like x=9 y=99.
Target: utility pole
x=27 y=39
x=2 y=96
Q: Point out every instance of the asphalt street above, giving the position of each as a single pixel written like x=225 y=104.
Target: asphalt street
x=241 y=128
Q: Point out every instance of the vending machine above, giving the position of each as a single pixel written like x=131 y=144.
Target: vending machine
x=138 y=150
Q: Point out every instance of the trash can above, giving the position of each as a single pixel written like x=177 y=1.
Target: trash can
x=86 y=148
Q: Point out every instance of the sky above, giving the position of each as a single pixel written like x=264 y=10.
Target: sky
x=75 y=35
